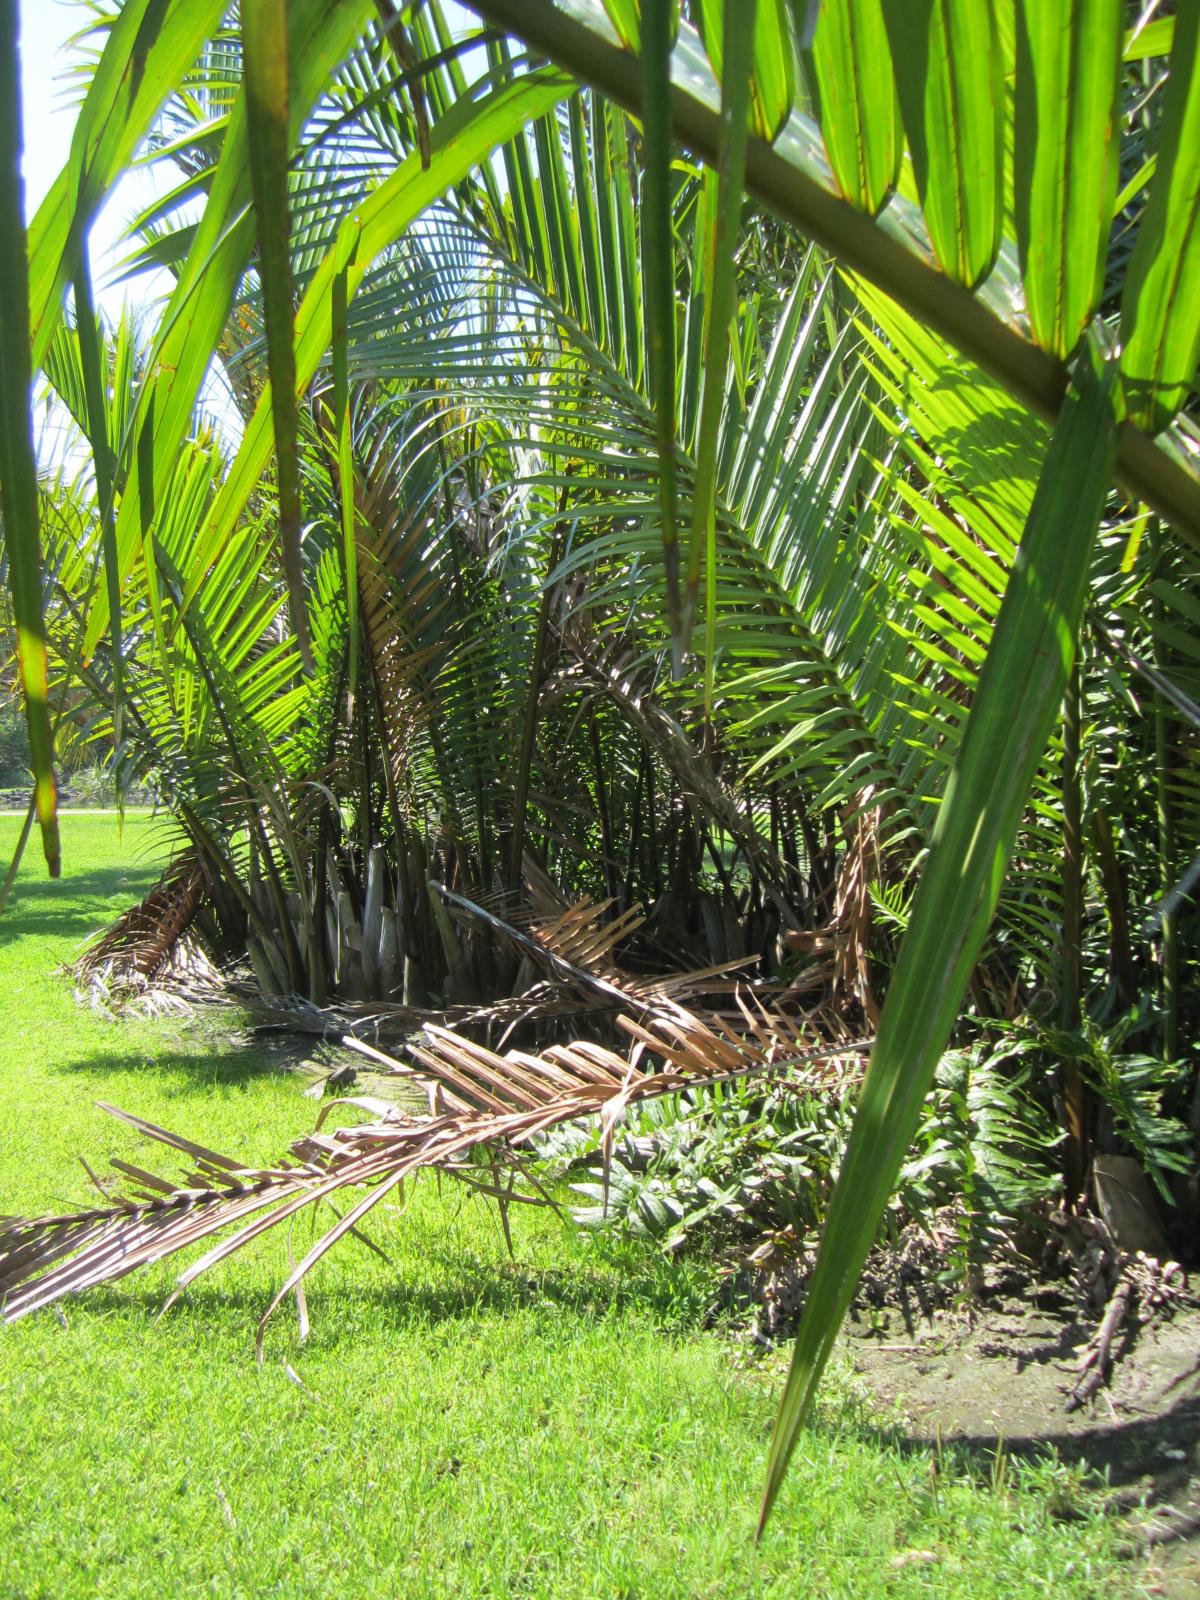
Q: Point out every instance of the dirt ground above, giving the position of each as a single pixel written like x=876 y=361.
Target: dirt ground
x=1007 y=1370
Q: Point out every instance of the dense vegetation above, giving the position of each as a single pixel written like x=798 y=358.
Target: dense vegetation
x=756 y=514
x=556 y=1425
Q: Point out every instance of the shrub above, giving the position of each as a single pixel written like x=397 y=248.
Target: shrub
x=14 y=747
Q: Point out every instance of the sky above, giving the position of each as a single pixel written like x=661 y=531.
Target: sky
x=47 y=118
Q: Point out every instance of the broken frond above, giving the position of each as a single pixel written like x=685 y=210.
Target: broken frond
x=477 y=1098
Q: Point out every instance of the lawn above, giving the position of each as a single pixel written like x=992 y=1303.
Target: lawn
x=457 y=1423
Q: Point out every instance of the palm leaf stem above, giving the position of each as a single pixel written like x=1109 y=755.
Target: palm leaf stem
x=532 y=697
x=1036 y=379
x=18 y=466
x=1075 y=1150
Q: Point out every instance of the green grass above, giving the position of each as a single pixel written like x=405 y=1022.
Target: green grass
x=468 y=1426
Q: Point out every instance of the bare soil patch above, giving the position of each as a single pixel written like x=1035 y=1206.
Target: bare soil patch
x=1006 y=1369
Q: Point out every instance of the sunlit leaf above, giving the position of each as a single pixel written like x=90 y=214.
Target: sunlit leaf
x=264 y=36
x=1066 y=159
x=18 y=467
x=147 y=50
x=773 y=79
x=658 y=28
x=849 y=69
x=949 y=72
x=718 y=286
x=1017 y=699
x=1160 y=308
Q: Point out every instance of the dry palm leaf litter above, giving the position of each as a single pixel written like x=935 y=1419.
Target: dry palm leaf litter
x=477 y=1098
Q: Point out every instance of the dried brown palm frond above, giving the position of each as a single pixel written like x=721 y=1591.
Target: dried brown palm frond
x=149 y=955
x=477 y=1098
x=142 y=940
x=382 y=1021
x=860 y=868
x=837 y=956
x=403 y=624
x=584 y=937
x=575 y=946
x=570 y=944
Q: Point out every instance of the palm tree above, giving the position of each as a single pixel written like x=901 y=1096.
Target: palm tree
x=545 y=414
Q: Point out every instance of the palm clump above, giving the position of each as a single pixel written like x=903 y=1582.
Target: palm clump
x=685 y=461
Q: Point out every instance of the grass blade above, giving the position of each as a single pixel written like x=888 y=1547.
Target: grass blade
x=18 y=465
x=1065 y=159
x=1160 y=308
x=264 y=32
x=1018 y=696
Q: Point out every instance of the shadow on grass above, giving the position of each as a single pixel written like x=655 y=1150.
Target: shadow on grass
x=1128 y=1454
x=460 y=1291
x=207 y=1063
x=74 y=906
x=1129 y=1451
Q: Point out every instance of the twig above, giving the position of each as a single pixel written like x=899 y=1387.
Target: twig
x=1096 y=1363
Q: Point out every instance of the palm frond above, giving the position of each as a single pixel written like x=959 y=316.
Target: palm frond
x=478 y=1098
